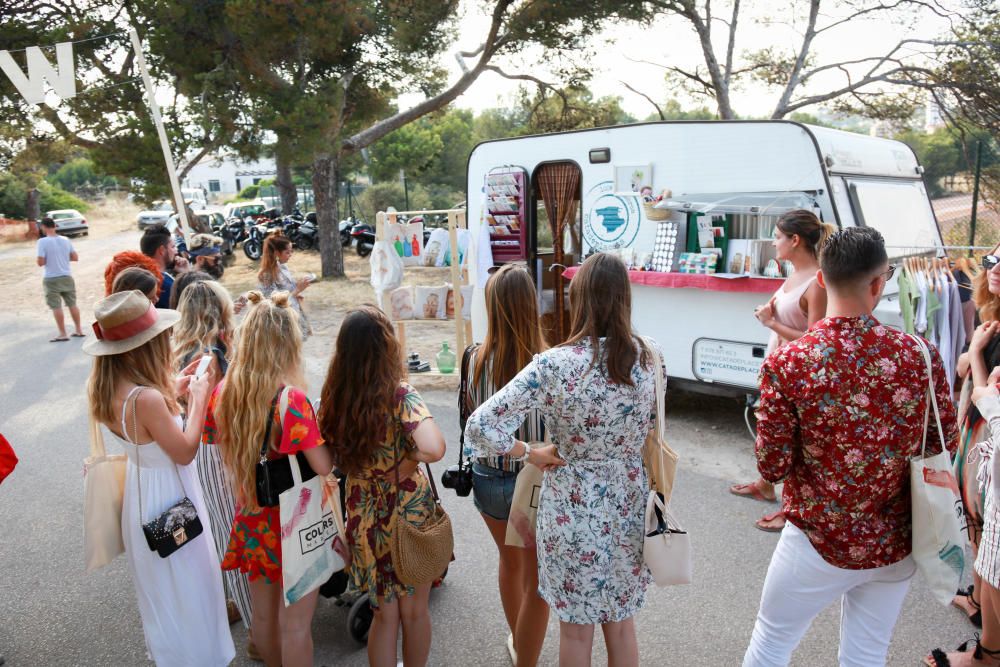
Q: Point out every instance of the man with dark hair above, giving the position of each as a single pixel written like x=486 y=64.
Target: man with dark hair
x=158 y=243
x=54 y=255
x=841 y=414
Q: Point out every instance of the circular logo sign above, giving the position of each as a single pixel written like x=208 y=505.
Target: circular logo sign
x=609 y=220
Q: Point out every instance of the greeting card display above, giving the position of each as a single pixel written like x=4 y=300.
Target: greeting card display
x=666 y=246
x=401 y=303
x=506 y=213
x=430 y=303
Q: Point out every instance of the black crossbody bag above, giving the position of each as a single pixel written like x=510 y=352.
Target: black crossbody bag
x=274 y=476
x=179 y=524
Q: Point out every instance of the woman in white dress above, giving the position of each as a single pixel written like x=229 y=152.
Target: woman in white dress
x=133 y=394
x=275 y=276
x=596 y=394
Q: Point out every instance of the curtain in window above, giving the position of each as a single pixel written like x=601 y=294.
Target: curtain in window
x=559 y=184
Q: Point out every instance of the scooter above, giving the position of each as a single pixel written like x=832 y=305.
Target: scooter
x=364 y=235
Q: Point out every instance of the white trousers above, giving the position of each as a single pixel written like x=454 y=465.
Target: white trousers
x=800 y=584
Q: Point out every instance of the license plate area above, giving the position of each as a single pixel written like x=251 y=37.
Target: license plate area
x=727 y=362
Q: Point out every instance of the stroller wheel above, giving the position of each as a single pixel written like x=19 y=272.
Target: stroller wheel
x=359 y=619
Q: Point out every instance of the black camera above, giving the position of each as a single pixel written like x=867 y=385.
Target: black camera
x=459 y=479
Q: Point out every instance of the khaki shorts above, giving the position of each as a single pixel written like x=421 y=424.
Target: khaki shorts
x=59 y=291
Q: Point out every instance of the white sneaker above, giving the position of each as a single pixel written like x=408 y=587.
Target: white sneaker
x=510 y=649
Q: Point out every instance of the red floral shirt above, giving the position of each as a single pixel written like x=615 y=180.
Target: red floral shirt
x=841 y=414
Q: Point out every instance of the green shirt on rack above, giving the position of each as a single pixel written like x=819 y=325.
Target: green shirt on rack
x=908 y=296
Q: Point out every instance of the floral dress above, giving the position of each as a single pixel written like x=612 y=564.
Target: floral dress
x=371 y=502
x=591 y=511
x=255 y=537
x=285 y=282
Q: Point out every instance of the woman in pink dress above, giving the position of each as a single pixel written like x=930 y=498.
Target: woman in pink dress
x=800 y=302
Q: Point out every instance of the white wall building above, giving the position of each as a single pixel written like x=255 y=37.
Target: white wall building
x=225 y=175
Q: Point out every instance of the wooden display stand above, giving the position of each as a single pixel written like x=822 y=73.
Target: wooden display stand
x=459 y=277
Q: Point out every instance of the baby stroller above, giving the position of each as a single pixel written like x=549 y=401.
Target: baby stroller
x=339 y=589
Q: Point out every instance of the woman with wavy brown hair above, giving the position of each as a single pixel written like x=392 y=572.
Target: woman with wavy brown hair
x=274 y=276
x=513 y=338
x=241 y=413
x=597 y=395
x=379 y=431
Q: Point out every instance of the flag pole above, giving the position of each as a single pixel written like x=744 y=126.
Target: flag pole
x=158 y=121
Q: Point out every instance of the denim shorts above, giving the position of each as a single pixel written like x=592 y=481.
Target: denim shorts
x=492 y=490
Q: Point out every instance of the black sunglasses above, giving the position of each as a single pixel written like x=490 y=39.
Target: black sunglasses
x=989 y=261
x=890 y=273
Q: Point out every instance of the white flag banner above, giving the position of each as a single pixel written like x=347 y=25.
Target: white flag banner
x=62 y=77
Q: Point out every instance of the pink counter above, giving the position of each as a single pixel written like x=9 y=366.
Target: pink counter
x=697 y=281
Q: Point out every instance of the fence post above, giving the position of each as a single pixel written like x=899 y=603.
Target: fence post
x=975 y=195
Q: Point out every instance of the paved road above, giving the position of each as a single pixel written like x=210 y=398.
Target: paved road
x=54 y=613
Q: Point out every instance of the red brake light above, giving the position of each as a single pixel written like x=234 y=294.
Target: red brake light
x=83 y=222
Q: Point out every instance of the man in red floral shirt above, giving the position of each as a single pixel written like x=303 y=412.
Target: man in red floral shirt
x=841 y=414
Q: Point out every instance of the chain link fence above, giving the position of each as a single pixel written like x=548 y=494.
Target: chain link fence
x=971 y=216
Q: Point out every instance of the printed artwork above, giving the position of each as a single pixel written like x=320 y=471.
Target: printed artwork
x=431 y=303
x=637 y=179
x=401 y=303
x=408 y=241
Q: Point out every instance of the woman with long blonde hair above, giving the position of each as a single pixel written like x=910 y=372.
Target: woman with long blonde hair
x=380 y=431
x=134 y=395
x=275 y=276
x=513 y=337
x=241 y=412
x=597 y=395
x=206 y=327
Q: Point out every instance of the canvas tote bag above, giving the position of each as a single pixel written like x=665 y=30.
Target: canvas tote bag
x=938 y=535
x=307 y=530
x=103 y=494
x=524 y=506
x=660 y=460
x=666 y=547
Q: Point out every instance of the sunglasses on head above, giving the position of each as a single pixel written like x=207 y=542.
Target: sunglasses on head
x=989 y=261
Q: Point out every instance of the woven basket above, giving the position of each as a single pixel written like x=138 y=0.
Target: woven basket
x=653 y=213
x=421 y=553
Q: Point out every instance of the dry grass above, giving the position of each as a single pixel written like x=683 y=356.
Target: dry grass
x=327 y=301
x=105 y=218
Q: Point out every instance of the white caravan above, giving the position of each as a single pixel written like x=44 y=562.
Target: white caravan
x=736 y=177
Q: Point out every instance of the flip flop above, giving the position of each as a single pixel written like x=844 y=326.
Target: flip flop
x=59 y=339
x=759 y=523
x=750 y=490
x=76 y=335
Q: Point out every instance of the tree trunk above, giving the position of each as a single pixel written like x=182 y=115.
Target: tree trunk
x=326 y=176
x=286 y=186
x=33 y=205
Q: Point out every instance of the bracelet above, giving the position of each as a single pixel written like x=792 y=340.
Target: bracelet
x=523 y=457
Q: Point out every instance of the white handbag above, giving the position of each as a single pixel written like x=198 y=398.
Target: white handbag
x=666 y=547
x=939 y=538
x=307 y=528
x=103 y=493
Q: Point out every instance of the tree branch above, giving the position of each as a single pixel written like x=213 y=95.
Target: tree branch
x=383 y=127
x=649 y=99
x=50 y=115
x=800 y=59
x=731 y=45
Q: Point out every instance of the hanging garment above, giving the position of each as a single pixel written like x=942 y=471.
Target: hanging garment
x=933 y=313
x=908 y=297
x=944 y=333
x=920 y=319
x=956 y=320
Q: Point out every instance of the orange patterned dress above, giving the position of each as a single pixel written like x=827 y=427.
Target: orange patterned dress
x=255 y=538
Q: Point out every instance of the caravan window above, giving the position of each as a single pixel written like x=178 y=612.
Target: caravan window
x=900 y=211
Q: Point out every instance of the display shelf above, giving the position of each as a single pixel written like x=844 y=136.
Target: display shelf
x=703 y=281
x=506 y=209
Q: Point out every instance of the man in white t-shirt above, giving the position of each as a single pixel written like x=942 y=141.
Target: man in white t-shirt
x=54 y=255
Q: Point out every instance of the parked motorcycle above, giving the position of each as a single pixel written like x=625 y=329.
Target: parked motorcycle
x=301 y=233
x=253 y=246
x=364 y=236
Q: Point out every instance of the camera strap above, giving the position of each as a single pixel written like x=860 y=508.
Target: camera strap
x=463 y=403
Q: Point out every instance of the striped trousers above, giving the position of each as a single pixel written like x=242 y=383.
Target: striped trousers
x=222 y=511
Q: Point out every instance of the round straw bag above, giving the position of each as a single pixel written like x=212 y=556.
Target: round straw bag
x=421 y=552
x=655 y=214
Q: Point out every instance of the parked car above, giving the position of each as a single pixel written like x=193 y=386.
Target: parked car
x=156 y=215
x=195 y=196
x=69 y=222
x=241 y=209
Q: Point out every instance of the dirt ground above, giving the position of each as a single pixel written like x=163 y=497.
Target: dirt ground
x=328 y=301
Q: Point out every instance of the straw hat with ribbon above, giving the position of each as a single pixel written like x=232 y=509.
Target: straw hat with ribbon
x=125 y=321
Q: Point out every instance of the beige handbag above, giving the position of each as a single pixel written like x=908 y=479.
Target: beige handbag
x=524 y=506
x=666 y=548
x=103 y=494
x=660 y=460
x=420 y=552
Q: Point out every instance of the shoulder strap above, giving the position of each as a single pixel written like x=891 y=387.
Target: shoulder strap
x=931 y=398
x=267 y=432
x=463 y=401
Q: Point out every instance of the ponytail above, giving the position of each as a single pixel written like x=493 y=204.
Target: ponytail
x=804 y=224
